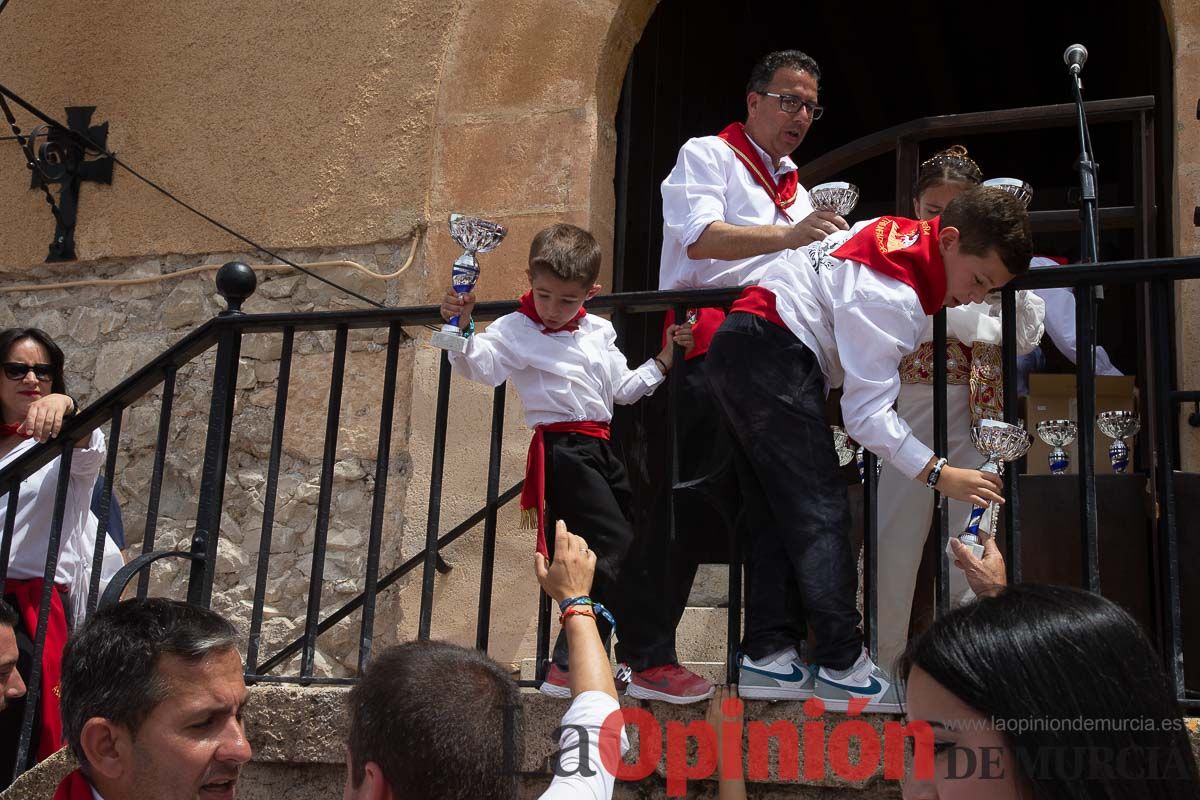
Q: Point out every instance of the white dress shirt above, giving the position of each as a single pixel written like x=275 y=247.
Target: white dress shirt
x=1060 y=321
x=588 y=711
x=860 y=324
x=710 y=184
x=561 y=377
x=27 y=559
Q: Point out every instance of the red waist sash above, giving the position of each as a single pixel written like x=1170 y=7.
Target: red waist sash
x=28 y=594
x=761 y=303
x=533 y=494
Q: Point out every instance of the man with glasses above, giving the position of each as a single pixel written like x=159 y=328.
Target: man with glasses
x=730 y=205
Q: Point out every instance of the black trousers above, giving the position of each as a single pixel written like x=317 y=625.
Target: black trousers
x=771 y=390
x=587 y=487
x=666 y=568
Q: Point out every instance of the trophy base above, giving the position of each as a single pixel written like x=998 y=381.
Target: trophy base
x=976 y=550
x=449 y=339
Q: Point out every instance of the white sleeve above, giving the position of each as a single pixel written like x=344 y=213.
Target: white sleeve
x=1060 y=326
x=629 y=385
x=86 y=461
x=488 y=357
x=870 y=354
x=693 y=194
x=574 y=780
x=1031 y=316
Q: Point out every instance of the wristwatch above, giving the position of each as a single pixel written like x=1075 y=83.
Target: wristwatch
x=935 y=473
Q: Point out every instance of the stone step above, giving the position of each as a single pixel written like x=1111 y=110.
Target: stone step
x=713 y=671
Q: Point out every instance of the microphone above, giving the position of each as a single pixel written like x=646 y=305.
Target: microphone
x=1075 y=58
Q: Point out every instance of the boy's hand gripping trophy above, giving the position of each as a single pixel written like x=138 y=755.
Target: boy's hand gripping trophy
x=1000 y=442
x=1058 y=433
x=476 y=236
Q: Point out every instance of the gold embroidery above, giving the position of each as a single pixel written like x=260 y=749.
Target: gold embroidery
x=978 y=366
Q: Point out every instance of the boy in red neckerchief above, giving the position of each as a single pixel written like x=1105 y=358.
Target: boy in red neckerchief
x=842 y=312
x=567 y=368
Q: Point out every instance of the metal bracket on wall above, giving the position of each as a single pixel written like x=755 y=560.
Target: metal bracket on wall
x=59 y=159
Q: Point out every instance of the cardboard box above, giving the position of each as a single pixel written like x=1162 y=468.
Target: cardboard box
x=1053 y=397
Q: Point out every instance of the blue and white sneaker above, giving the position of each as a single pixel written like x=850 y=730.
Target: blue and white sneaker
x=782 y=676
x=864 y=681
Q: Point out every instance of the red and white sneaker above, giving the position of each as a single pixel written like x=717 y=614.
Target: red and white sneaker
x=556 y=683
x=670 y=683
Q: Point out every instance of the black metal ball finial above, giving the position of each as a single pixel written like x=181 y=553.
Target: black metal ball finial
x=235 y=282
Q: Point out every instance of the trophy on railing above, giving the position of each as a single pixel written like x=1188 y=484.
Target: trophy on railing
x=841 y=445
x=836 y=196
x=1118 y=426
x=1014 y=186
x=1000 y=442
x=476 y=236
x=1058 y=433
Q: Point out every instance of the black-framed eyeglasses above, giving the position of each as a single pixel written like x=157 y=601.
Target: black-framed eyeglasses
x=15 y=371
x=790 y=104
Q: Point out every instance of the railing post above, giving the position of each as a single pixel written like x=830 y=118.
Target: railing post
x=1085 y=371
x=941 y=445
x=383 y=457
x=110 y=467
x=1012 y=470
x=484 y=619
x=156 y=477
x=441 y=423
x=235 y=282
x=1168 y=535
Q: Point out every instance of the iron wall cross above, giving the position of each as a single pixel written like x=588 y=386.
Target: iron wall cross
x=61 y=159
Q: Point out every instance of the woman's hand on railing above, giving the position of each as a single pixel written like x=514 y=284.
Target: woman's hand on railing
x=970 y=486
x=570 y=573
x=458 y=305
x=45 y=417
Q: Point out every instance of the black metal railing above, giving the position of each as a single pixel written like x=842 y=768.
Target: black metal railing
x=225 y=332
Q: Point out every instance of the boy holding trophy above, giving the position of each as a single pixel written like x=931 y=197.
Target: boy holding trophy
x=843 y=311
x=567 y=368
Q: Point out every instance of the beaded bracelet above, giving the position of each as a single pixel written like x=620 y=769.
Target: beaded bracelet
x=576 y=611
x=584 y=600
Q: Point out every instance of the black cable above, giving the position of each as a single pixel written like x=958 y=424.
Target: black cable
x=26 y=143
x=88 y=143
x=3 y=3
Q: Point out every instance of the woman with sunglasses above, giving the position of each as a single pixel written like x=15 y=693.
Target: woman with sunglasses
x=34 y=403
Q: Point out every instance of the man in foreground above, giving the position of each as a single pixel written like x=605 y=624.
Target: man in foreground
x=435 y=721
x=152 y=702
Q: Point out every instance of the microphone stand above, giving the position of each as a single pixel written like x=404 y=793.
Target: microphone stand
x=1085 y=339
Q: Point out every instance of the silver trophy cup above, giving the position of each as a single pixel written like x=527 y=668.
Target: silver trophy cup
x=836 y=196
x=999 y=442
x=1058 y=433
x=841 y=445
x=1014 y=186
x=475 y=235
x=1118 y=426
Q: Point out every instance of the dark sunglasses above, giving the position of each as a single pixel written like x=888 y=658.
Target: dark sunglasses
x=15 y=370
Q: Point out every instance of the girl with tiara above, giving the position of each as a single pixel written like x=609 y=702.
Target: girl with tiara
x=973 y=391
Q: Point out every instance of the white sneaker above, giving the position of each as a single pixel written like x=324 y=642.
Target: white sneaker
x=863 y=681
x=782 y=676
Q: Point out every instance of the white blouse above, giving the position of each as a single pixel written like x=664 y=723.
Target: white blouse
x=27 y=559
x=573 y=376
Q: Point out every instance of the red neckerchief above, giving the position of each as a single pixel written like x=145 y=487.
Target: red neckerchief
x=13 y=429
x=533 y=493
x=904 y=249
x=28 y=594
x=530 y=310
x=74 y=787
x=783 y=193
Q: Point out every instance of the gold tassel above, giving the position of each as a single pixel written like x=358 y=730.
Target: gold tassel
x=529 y=519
